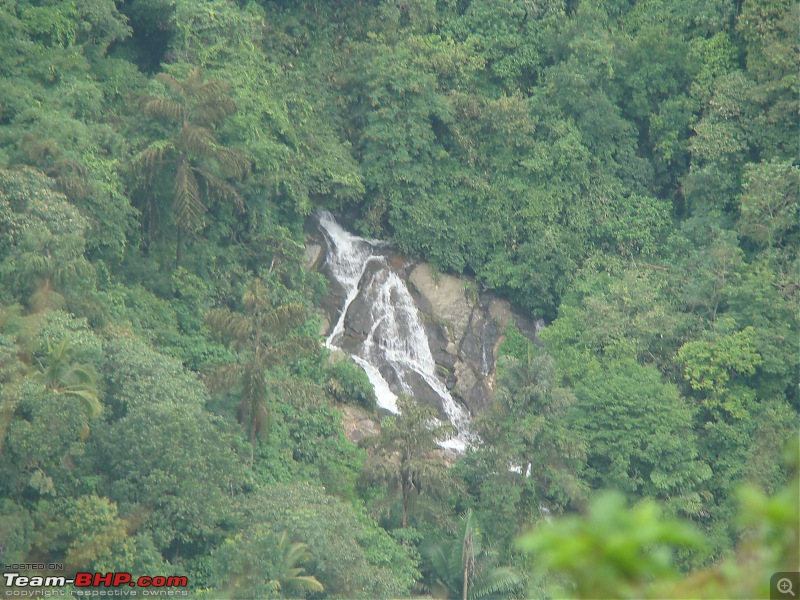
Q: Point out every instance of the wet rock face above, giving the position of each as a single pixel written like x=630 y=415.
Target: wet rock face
x=463 y=326
x=464 y=329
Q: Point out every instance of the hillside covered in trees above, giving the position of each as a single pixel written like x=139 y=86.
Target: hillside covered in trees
x=626 y=171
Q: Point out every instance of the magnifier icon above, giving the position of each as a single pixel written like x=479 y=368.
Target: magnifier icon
x=785 y=586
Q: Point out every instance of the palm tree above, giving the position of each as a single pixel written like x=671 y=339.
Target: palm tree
x=291 y=580
x=461 y=568
x=198 y=162
x=526 y=426
x=261 y=335
x=402 y=454
x=61 y=375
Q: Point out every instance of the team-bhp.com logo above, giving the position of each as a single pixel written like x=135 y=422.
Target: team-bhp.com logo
x=93 y=584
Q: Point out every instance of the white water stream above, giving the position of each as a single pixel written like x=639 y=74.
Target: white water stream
x=396 y=341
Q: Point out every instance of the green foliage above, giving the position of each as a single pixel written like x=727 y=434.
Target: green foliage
x=199 y=165
x=627 y=171
x=60 y=114
x=70 y=379
x=261 y=564
x=43 y=246
x=515 y=345
x=16 y=527
x=401 y=458
x=638 y=434
x=710 y=366
x=348 y=383
x=768 y=203
x=352 y=556
x=77 y=530
x=527 y=427
x=136 y=376
x=462 y=567
x=175 y=467
x=768 y=28
x=619 y=552
x=262 y=337
x=44 y=436
x=613 y=552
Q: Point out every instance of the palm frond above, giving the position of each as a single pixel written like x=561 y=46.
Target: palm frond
x=77 y=380
x=224 y=377
x=256 y=296
x=289 y=349
x=229 y=326
x=165 y=108
x=46 y=298
x=39 y=149
x=90 y=399
x=233 y=162
x=70 y=167
x=220 y=189
x=213 y=110
x=282 y=319
x=197 y=140
x=293 y=553
x=174 y=85
x=262 y=421
x=188 y=206
x=211 y=90
x=71 y=187
x=292 y=578
x=152 y=158
x=214 y=100
x=499 y=580
x=307 y=583
x=193 y=84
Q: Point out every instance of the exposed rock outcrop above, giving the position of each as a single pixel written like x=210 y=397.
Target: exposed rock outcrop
x=463 y=325
x=358 y=424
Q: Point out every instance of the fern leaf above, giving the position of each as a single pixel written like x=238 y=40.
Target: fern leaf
x=165 y=108
x=224 y=377
x=220 y=189
x=152 y=158
x=229 y=327
x=233 y=162
x=284 y=318
x=197 y=140
x=171 y=83
x=188 y=206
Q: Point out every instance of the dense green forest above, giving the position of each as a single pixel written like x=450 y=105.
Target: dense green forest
x=627 y=171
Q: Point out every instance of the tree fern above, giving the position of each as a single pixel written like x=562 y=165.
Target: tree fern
x=199 y=161
x=262 y=338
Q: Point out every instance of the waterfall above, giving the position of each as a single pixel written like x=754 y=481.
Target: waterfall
x=396 y=344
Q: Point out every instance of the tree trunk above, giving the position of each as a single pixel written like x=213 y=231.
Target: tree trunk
x=253 y=435
x=405 y=491
x=467 y=557
x=179 y=248
x=466 y=579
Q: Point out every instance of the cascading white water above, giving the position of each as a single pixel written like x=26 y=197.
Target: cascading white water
x=396 y=340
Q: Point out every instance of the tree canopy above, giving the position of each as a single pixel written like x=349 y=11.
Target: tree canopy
x=624 y=171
